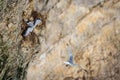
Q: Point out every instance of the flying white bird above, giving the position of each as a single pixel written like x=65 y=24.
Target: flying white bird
x=70 y=60
x=31 y=25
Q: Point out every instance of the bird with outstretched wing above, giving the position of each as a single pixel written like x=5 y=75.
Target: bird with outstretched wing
x=70 y=60
x=31 y=25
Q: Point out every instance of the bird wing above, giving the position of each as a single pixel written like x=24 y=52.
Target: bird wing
x=30 y=23
x=29 y=29
x=37 y=22
x=70 y=55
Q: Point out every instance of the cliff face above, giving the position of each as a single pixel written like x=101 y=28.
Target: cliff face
x=91 y=28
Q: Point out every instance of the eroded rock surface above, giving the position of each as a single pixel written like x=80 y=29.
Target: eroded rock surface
x=90 y=27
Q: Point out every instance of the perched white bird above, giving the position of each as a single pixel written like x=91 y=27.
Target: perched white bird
x=70 y=60
x=31 y=25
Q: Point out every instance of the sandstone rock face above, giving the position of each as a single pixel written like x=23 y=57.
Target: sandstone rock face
x=91 y=28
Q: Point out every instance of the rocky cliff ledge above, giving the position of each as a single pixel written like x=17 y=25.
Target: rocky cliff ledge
x=90 y=28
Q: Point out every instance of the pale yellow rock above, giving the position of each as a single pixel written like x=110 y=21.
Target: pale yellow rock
x=91 y=28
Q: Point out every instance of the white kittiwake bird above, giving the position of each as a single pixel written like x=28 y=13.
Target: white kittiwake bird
x=70 y=60
x=31 y=25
